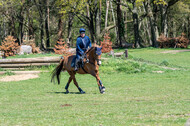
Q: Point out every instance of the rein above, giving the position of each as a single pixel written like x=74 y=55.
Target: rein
x=87 y=58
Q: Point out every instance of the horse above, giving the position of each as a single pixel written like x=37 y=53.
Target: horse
x=91 y=64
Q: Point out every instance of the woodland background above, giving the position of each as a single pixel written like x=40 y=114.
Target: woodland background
x=140 y=22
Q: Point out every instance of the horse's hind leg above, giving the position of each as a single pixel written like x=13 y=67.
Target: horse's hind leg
x=67 y=86
x=76 y=84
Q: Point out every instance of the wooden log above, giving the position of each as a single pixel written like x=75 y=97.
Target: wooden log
x=25 y=65
x=31 y=60
x=22 y=72
x=118 y=54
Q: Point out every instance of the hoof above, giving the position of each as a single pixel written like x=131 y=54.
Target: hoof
x=103 y=88
x=82 y=92
x=67 y=91
x=102 y=92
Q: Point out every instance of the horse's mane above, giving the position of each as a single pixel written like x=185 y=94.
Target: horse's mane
x=93 y=46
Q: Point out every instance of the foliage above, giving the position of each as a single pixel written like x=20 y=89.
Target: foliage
x=72 y=6
x=106 y=44
x=180 y=42
x=62 y=48
x=25 y=14
x=8 y=73
x=9 y=46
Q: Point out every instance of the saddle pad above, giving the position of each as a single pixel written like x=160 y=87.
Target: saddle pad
x=73 y=61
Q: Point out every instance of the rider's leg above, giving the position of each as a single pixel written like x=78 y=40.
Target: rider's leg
x=76 y=62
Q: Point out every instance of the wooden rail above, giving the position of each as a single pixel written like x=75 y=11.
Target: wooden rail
x=27 y=62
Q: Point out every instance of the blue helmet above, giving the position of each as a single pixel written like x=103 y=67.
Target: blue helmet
x=82 y=30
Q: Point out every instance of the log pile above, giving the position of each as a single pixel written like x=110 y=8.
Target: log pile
x=62 y=48
x=177 y=42
x=28 y=62
x=106 y=44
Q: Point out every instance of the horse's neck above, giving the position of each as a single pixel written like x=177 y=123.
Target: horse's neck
x=91 y=56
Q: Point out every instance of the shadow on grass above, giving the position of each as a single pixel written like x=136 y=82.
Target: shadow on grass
x=65 y=92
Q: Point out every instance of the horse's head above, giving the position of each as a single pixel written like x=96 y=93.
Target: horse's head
x=95 y=53
x=98 y=54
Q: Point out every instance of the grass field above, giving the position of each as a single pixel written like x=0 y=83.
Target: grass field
x=135 y=95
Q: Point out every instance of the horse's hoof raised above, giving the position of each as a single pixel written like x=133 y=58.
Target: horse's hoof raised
x=103 y=88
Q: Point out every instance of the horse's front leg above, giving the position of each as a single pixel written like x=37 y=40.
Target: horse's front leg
x=100 y=84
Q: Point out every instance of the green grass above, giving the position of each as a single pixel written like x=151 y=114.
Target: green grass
x=134 y=95
x=154 y=55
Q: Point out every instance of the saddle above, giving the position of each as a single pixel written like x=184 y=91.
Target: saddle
x=80 y=62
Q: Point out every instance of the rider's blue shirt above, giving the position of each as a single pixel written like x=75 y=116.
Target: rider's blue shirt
x=83 y=43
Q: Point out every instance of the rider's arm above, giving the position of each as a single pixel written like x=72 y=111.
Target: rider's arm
x=90 y=45
x=78 y=45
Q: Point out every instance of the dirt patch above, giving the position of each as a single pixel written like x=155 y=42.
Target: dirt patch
x=158 y=71
x=18 y=77
x=176 y=51
x=66 y=105
x=176 y=115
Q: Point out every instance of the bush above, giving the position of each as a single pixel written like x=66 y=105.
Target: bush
x=165 y=63
x=9 y=46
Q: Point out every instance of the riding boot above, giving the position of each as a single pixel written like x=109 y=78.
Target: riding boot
x=76 y=65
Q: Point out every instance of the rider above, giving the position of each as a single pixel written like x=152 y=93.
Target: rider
x=82 y=44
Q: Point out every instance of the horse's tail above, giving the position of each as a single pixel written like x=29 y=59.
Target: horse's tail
x=56 y=72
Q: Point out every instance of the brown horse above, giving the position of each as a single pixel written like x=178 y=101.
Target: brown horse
x=90 y=66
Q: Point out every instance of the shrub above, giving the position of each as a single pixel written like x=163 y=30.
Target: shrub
x=9 y=46
x=165 y=63
x=61 y=48
x=106 y=44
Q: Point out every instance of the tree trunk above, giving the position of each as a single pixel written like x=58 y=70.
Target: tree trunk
x=107 y=8
x=116 y=33
x=188 y=34
x=153 y=26
x=60 y=28
x=120 y=24
x=12 y=28
x=4 y=27
x=98 y=21
x=164 y=20
x=21 y=18
x=47 y=23
x=147 y=27
x=136 y=26
x=70 y=23
x=41 y=27
x=91 y=27
x=30 y=26
x=155 y=15
x=40 y=10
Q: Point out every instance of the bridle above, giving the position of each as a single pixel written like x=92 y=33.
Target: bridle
x=96 y=53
